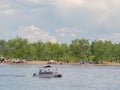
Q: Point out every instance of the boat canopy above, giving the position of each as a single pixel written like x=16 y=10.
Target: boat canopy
x=48 y=66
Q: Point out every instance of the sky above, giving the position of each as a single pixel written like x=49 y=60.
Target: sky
x=60 y=20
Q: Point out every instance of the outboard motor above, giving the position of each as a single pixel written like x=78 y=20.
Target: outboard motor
x=34 y=74
x=59 y=75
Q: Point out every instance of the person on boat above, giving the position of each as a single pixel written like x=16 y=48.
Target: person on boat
x=48 y=70
x=40 y=71
x=55 y=71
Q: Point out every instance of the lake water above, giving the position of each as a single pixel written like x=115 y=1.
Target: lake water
x=19 y=77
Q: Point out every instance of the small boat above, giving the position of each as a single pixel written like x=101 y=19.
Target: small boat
x=47 y=72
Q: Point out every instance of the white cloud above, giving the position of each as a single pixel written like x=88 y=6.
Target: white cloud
x=67 y=32
x=5 y=9
x=68 y=3
x=62 y=34
x=7 y=12
x=87 y=15
x=70 y=9
x=97 y=10
x=35 y=1
x=111 y=36
x=34 y=34
x=73 y=34
x=2 y=6
x=90 y=14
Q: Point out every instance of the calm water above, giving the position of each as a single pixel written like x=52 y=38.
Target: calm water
x=19 y=77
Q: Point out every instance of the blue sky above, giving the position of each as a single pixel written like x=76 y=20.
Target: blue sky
x=60 y=20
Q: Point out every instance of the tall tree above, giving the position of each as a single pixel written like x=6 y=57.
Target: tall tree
x=116 y=52
x=102 y=50
x=17 y=47
x=80 y=48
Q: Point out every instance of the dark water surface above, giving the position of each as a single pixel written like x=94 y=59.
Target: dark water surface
x=19 y=77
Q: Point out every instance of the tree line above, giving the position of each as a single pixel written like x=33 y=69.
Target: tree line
x=78 y=50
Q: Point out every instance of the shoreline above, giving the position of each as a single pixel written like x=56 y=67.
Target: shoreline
x=62 y=63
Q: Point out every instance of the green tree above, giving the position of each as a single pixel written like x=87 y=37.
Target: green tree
x=3 y=48
x=16 y=48
x=80 y=48
x=102 y=50
x=116 y=52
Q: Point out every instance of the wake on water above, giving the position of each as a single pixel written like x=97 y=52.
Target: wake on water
x=16 y=76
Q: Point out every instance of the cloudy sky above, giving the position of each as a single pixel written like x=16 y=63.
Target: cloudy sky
x=60 y=20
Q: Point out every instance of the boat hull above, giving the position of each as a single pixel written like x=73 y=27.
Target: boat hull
x=47 y=75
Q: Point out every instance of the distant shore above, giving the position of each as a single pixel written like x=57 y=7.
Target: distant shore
x=61 y=63
x=73 y=63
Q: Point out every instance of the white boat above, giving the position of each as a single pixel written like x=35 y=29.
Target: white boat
x=47 y=72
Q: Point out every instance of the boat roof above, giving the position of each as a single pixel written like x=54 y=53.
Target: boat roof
x=48 y=66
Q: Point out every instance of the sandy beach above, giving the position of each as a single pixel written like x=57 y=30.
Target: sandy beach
x=33 y=62
x=72 y=63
